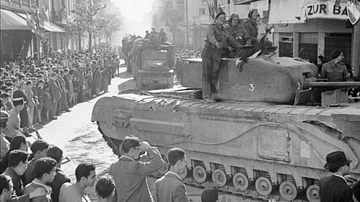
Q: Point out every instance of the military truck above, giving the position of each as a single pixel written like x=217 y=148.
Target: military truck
x=152 y=65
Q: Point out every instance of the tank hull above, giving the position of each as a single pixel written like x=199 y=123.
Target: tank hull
x=269 y=148
x=262 y=79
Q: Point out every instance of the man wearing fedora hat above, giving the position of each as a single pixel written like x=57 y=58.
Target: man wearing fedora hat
x=334 y=188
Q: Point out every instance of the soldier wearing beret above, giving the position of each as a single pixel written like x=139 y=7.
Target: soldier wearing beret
x=335 y=70
x=218 y=43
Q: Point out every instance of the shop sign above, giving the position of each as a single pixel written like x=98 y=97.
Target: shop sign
x=325 y=10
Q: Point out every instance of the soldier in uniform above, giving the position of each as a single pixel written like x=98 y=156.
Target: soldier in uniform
x=218 y=43
x=238 y=31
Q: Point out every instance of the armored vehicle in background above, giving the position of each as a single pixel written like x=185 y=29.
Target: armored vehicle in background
x=255 y=143
x=152 y=65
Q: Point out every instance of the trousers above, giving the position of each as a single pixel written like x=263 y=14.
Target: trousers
x=211 y=61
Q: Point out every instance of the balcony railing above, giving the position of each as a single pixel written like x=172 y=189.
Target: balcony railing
x=20 y=4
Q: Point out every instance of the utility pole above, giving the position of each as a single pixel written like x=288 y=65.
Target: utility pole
x=355 y=60
x=187 y=23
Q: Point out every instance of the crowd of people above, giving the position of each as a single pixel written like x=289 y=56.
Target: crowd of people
x=38 y=177
x=33 y=93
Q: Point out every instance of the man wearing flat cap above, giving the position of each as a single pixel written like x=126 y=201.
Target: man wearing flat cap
x=334 y=188
x=335 y=70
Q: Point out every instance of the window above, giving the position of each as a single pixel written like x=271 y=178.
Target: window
x=180 y=1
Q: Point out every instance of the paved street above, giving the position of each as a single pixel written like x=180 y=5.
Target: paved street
x=81 y=141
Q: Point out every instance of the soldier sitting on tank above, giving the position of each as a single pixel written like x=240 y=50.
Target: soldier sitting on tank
x=242 y=36
x=251 y=26
x=237 y=31
x=335 y=70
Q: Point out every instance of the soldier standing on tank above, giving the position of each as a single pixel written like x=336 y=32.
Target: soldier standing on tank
x=334 y=188
x=162 y=36
x=218 y=43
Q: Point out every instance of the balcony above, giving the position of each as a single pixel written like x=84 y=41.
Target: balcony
x=61 y=17
x=19 y=5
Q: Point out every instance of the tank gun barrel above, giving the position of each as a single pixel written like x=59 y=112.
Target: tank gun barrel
x=332 y=84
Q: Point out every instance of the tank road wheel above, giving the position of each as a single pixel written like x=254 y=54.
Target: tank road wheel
x=288 y=190
x=312 y=193
x=219 y=177
x=263 y=186
x=199 y=174
x=240 y=181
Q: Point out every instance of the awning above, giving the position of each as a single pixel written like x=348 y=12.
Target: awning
x=285 y=11
x=11 y=21
x=48 y=26
x=51 y=27
x=324 y=9
x=242 y=2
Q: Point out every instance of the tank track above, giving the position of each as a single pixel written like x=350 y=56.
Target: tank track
x=249 y=195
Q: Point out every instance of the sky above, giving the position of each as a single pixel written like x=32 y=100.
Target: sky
x=135 y=11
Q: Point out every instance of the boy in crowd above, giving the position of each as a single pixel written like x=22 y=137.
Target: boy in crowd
x=105 y=188
x=18 y=161
x=85 y=177
x=39 y=149
x=44 y=174
x=170 y=187
x=60 y=177
x=130 y=174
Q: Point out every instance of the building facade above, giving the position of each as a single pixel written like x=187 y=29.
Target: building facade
x=302 y=28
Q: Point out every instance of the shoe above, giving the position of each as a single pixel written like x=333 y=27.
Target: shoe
x=215 y=97
x=208 y=101
x=68 y=110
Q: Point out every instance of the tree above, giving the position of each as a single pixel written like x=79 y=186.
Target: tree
x=113 y=19
x=86 y=19
x=172 y=18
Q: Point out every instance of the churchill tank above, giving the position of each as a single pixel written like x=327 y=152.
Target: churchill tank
x=266 y=140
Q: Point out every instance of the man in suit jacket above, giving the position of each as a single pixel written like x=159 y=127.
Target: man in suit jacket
x=170 y=187
x=334 y=188
x=130 y=174
x=55 y=94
